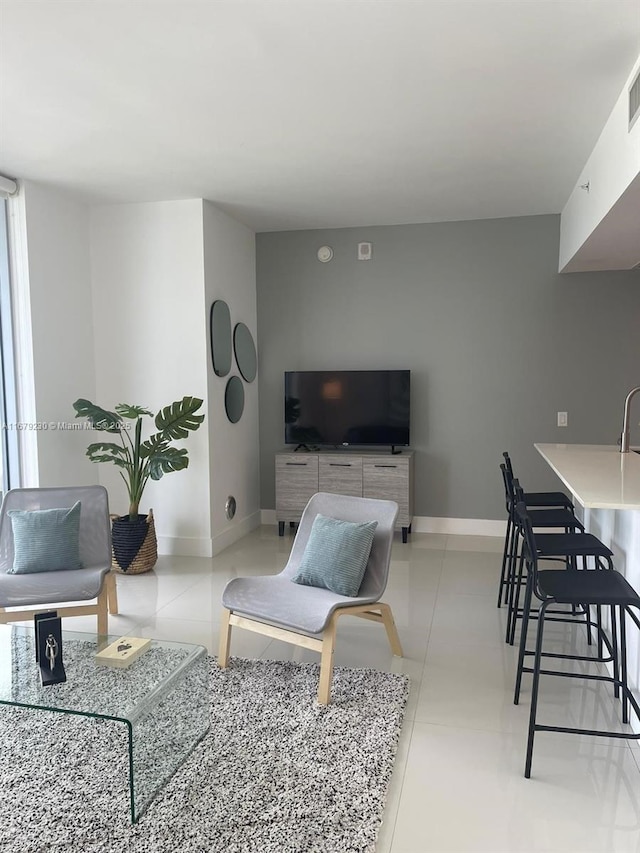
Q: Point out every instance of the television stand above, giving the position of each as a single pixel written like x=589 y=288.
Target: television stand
x=369 y=474
x=395 y=452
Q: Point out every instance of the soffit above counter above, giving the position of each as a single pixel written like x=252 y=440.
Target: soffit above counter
x=600 y=223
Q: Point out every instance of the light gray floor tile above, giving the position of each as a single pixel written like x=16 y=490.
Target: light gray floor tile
x=464 y=790
x=458 y=779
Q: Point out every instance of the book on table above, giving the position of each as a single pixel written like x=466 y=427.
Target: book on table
x=123 y=651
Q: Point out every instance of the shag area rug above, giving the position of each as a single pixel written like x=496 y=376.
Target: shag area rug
x=277 y=773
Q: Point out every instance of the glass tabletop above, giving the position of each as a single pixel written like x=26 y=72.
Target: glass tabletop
x=90 y=689
x=162 y=697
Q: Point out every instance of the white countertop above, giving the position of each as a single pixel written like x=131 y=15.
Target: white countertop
x=598 y=475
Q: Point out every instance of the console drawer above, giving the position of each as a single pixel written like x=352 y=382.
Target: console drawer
x=340 y=475
x=389 y=479
x=296 y=482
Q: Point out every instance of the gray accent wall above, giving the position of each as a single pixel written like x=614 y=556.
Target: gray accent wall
x=497 y=342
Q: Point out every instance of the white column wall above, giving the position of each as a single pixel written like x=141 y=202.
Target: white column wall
x=230 y=275
x=55 y=300
x=150 y=348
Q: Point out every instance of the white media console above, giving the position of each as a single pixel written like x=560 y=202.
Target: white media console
x=372 y=474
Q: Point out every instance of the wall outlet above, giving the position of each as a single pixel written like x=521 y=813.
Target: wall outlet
x=562 y=419
x=364 y=251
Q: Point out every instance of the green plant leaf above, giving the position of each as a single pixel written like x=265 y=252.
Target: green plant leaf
x=167 y=460
x=104 y=451
x=107 y=446
x=153 y=444
x=121 y=463
x=176 y=420
x=140 y=460
x=99 y=419
x=133 y=412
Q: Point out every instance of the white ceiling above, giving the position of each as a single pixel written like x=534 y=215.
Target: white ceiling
x=311 y=113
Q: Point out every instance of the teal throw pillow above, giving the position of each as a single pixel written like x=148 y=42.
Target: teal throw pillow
x=336 y=555
x=45 y=540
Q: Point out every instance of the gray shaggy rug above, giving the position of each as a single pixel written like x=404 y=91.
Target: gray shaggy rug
x=277 y=773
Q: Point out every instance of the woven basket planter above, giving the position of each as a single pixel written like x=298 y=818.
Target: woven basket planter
x=134 y=548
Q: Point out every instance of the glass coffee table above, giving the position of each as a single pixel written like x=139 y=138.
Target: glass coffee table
x=162 y=697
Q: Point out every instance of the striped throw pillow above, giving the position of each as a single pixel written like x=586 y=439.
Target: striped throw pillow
x=336 y=555
x=45 y=540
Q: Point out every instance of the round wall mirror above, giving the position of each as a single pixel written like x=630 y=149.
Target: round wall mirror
x=230 y=507
x=245 y=351
x=220 y=334
x=234 y=399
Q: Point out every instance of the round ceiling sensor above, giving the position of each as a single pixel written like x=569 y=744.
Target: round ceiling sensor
x=325 y=253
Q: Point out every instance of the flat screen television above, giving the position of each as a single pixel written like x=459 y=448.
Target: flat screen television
x=347 y=407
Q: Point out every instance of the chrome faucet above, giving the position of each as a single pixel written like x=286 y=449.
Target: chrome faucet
x=624 y=443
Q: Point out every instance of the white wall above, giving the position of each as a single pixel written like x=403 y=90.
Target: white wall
x=229 y=265
x=612 y=167
x=151 y=348
x=116 y=309
x=56 y=291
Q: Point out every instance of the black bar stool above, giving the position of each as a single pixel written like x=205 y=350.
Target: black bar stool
x=558 y=518
x=533 y=500
x=567 y=548
x=540 y=499
x=602 y=586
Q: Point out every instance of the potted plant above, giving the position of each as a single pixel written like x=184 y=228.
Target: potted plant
x=133 y=535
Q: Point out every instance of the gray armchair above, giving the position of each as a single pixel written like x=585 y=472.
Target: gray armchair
x=37 y=590
x=306 y=615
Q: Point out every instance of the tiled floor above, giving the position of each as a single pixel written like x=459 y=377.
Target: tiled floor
x=458 y=783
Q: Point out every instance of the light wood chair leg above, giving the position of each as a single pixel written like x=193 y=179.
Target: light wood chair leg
x=112 y=593
x=392 y=631
x=326 y=662
x=225 y=639
x=103 y=618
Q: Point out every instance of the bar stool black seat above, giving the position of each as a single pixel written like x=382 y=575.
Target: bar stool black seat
x=599 y=587
x=558 y=517
x=567 y=548
x=533 y=500
x=540 y=499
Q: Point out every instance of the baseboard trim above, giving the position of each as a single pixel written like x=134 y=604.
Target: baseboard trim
x=268 y=516
x=427 y=524
x=184 y=546
x=460 y=526
x=235 y=531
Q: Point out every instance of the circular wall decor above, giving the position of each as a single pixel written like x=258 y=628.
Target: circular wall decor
x=325 y=253
x=220 y=335
x=245 y=351
x=234 y=399
x=230 y=507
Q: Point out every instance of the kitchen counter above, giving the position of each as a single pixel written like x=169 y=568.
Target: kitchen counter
x=606 y=483
x=598 y=475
